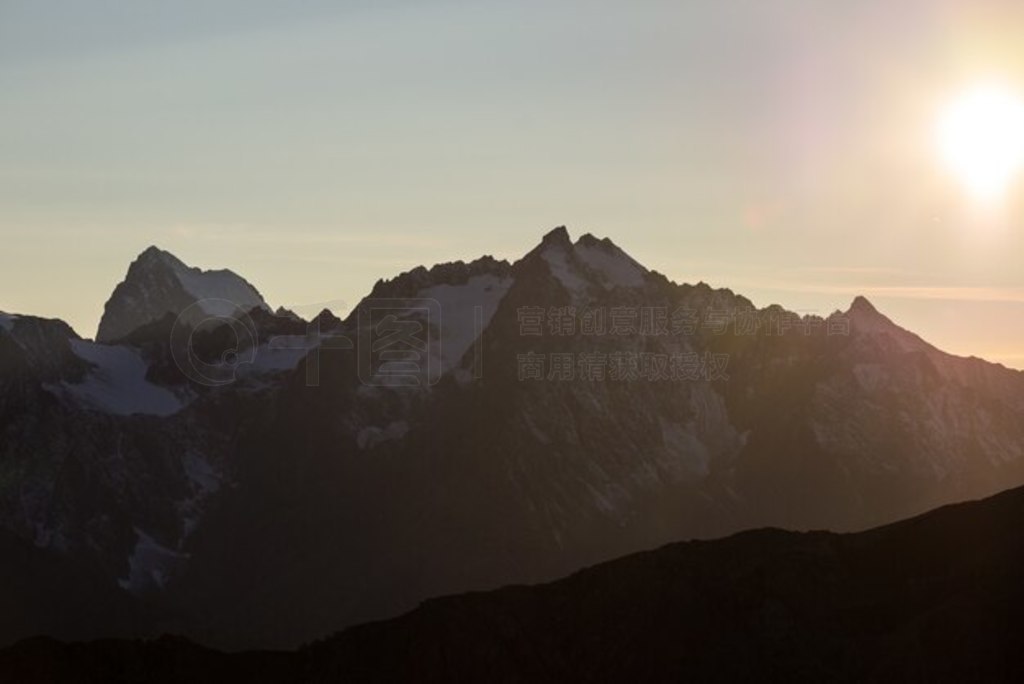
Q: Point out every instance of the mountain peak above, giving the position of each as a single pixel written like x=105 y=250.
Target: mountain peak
x=590 y=240
x=152 y=252
x=557 y=236
x=866 y=317
x=589 y=262
x=609 y=263
x=154 y=255
x=326 y=320
x=861 y=305
x=158 y=283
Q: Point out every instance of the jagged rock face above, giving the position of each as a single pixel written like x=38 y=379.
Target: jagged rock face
x=358 y=498
x=869 y=427
x=158 y=283
x=108 y=468
x=108 y=455
x=37 y=348
x=413 y=283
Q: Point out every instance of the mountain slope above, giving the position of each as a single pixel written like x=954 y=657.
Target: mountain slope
x=935 y=598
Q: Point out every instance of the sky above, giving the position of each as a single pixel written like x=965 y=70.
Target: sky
x=786 y=150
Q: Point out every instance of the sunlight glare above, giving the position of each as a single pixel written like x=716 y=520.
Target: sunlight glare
x=981 y=138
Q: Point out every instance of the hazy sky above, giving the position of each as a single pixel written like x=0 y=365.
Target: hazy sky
x=783 y=149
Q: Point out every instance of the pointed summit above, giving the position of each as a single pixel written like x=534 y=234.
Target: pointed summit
x=153 y=252
x=558 y=236
x=159 y=283
x=556 y=242
x=155 y=255
x=590 y=263
x=326 y=320
x=861 y=305
x=866 y=317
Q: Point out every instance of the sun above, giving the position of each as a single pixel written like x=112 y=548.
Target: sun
x=981 y=139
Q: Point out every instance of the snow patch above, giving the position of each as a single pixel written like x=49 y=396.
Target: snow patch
x=201 y=474
x=150 y=566
x=616 y=268
x=458 y=328
x=118 y=382
x=218 y=292
x=7 y=321
x=558 y=261
x=370 y=436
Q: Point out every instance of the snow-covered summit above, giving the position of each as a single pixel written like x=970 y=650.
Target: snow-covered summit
x=588 y=263
x=159 y=283
x=612 y=266
x=454 y=301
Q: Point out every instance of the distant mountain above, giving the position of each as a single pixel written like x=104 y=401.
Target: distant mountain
x=936 y=598
x=159 y=283
x=532 y=418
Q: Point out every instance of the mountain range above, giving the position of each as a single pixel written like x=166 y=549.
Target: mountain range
x=212 y=467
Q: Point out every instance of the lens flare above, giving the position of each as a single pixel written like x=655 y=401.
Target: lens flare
x=981 y=138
